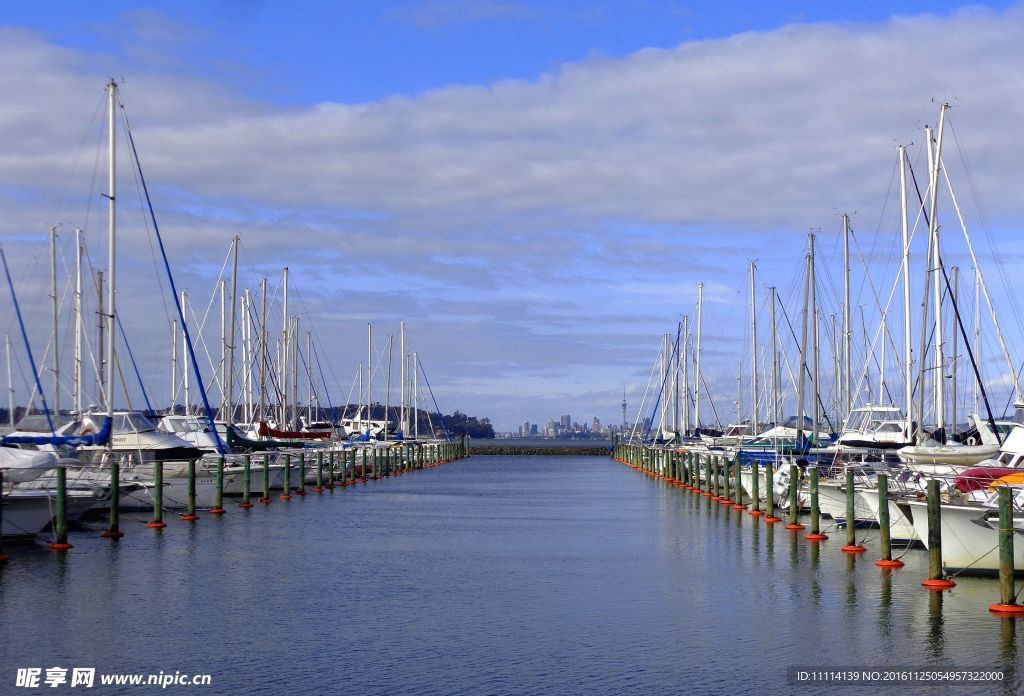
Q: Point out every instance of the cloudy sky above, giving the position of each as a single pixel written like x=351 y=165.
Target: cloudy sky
x=534 y=188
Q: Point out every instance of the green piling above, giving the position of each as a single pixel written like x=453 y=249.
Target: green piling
x=218 y=507
x=851 y=517
x=1007 y=596
x=884 y=539
x=266 y=479
x=794 y=498
x=815 y=534
x=286 y=494
x=935 y=579
x=158 y=496
x=246 y=482
x=114 y=529
x=190 y=515
x=60 y=523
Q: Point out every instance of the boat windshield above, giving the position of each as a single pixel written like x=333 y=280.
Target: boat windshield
x=132 y=423
x=857 y=420
x=191 y=424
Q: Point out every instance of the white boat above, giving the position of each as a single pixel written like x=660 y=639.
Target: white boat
x=970 y=536
x=22 y=465
x=960 y=454
x=874 y=428
x=901 y=526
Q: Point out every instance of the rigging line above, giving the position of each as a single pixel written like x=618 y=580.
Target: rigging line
x=24 y=336
x=170 y=277
x=986 y=227
x=320 y=369
x=131 y=356
x=447 y=435
x=149 y=236
x=66 y=184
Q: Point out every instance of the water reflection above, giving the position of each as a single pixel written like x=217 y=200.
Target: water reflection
x=936 y=644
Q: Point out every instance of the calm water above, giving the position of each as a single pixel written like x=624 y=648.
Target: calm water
x=499 y=575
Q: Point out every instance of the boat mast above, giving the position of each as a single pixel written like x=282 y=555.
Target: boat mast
x=295 y=374
x=416 y=395
x=101 y=373
x=246 y=356
x=174 y=364
x=955 y=295
x=283 y=363
x=908 y=383
x=802 y=378
x=665 y=385
x=387 y=392
x=401 y=349
x=56 y=338
x=112 y=256
x=309 y=376
x=814 y=346
x=847 y=328
x=78 y=323
x=223 y=348
x=263 y=348
x=937 y=277
x=775 y=362
x=755 y=424
x=685 y=350
x=229 y=410
x=184 y=352
x=696 y=376
x=369 y=373
x=10 y=384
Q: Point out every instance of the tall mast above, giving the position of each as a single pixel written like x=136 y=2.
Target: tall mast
x=223 y=349
x=401 y=351
x=369 y=373
x=664 y=384
x=295 y=372
x=246 y=356
x=229 y=410
x=263 y=347
x=814 y=346
x=416 y=395
x=101 y=373
x=174 y=364
x=685 y=350
x=78 y=323
x=755 y=424
x=802 y=377
x=847 y=328
x=908 y=382
x=309 y=376
x=184 y=352
x=953 y=358
x=696 y=377
x=284 y=354
x=56 y=337
x=675 y=382
x=112 y=253
x=977 y=340
x=775 y=362
x=387 y=398
x=10 y=384
x=937 y=277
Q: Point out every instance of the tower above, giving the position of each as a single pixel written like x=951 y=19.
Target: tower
x=623 y=406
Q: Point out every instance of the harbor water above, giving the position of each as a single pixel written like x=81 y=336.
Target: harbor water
x=492 y=575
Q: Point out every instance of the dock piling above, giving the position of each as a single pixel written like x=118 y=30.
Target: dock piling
x=935 y=582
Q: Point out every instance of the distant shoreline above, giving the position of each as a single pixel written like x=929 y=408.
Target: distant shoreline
x=535 y=450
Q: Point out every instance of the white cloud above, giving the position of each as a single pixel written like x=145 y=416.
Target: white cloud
x=492 y=216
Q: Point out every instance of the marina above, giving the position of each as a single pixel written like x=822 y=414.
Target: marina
x=569 y=574
x=511 y=348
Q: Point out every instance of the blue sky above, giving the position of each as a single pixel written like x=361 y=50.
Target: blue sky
x=535 y=188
